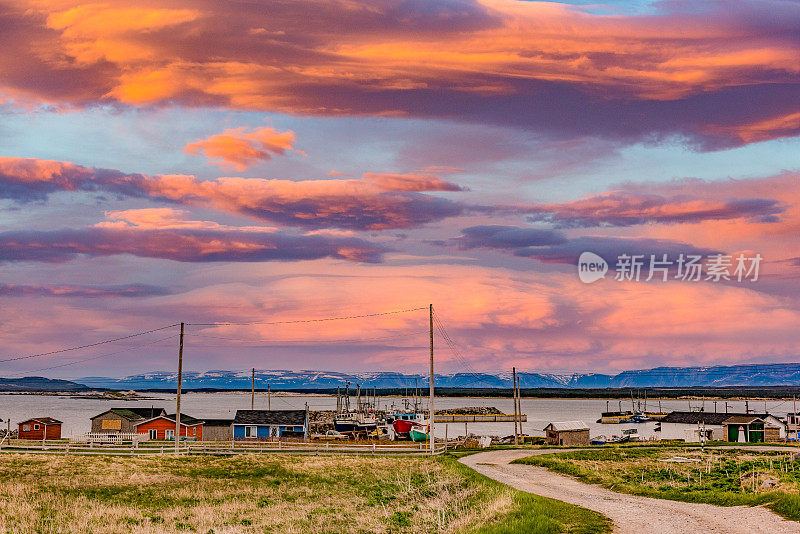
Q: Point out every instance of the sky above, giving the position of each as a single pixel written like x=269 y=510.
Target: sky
x=273 y=162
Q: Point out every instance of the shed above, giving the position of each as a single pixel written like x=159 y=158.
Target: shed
x=40 y=428
x=744 y=429
x=163 y=427
x=123 y=420
x=266 y=424
x=217 y=429
x=571 y=433
x=688 y=426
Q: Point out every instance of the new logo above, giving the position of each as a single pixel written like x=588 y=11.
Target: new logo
x=591 y=267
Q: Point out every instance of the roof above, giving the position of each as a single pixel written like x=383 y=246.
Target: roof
x=270 y=417
x=561 y=426
x=741 y=420
x=43 y=420
x=217 y=422
x=133 y=413
x=186 y=420
x=708 y=418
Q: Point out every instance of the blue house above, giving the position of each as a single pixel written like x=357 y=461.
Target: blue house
x=266 y=424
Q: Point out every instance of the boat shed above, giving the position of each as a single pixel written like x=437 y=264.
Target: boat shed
x=570 y=433
x=268 y=424
x=40 y=428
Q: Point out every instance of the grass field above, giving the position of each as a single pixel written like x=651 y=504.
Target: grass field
x=251 y=493
x=722 y=477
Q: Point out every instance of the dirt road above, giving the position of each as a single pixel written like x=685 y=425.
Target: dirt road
x=630 y=514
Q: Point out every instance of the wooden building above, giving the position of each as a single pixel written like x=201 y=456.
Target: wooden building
x=217 y=429
x=745 y=429
x=267 y=424
x=163 y=427
x=570 y=433
x=691 y=426
x=123 y=420
x=40 y=428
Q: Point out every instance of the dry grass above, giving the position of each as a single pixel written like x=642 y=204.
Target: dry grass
x=293 y=494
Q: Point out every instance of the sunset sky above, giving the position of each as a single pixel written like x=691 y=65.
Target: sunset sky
x=262 y=161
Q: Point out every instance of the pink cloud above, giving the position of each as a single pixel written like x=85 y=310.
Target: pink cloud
x=240 y=149
x=374 y=203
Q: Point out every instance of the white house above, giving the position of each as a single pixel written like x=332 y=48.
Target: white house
x=690 y=426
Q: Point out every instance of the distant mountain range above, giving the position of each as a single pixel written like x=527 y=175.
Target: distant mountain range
x=38 y=383
x=663 y=377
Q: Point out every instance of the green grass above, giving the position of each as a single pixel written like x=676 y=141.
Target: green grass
x=255 y=493
x=720 y=477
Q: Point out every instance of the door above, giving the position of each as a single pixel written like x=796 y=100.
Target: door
x=152 y=433
x=169 y=434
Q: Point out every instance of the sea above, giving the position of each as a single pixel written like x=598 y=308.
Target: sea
x=75 y=411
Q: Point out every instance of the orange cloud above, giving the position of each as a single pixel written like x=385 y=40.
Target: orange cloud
x=723 y=73
x=241 y=149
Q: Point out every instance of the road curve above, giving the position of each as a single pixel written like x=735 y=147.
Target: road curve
x=629 y=513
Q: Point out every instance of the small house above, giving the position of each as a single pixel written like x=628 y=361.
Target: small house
x=123 y=420
x=40 y=428
x=163 y=427
x=570 y=433
x=217 y=429
x=745 y=429
x=268 y=424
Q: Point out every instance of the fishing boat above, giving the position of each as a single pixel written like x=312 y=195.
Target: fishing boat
x=402 y=423
x=355 y=423
x=418 y=434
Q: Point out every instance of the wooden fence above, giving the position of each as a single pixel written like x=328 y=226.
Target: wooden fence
x=145 y=448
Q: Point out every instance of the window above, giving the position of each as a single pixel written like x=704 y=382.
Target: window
x=152 y=433
x=194 y=430
x=169 y=434
x=250 y=431
x=36 y=427
x=25 y=428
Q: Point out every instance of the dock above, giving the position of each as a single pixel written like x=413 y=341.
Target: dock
x=487 y=418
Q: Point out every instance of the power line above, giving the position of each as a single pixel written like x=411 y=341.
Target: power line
x=89 y=345
x=99 y=356
x=342 y=318
x=276 y=341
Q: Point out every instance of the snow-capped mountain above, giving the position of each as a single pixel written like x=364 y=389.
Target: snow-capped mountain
x=736 y=375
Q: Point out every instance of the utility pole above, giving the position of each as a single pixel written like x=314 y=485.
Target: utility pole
x=177 y=436
x=430 y=401
x=269 y=397
x=514 y=395
x=519 y=407
x=253 y=391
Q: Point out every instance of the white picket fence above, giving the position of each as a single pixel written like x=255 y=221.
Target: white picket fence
x=135 y=447
x=113 y=439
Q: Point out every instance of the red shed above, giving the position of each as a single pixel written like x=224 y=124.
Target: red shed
x=163 y=427
x=40 y=428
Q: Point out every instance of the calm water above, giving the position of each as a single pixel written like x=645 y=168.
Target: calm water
x=75 y=413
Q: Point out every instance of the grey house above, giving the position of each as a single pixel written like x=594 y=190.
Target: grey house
x=123 y=420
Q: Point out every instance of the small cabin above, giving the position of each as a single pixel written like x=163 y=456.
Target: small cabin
x=40 y=428
x=745 y=429
x=569 y=433
x=162 y=427
x=123 y=420
x=217 y=429
x=259 y=425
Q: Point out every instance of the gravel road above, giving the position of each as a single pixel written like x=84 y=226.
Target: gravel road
x=630 y=514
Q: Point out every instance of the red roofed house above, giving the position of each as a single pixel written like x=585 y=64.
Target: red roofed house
x=40 y=428
x=163 y=427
